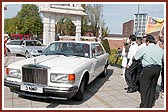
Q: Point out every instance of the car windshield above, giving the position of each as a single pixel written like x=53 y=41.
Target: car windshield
x=14 y=43
x=33 y=43
x=68 y=49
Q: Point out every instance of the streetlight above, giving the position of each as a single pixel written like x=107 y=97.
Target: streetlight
x=16 y=29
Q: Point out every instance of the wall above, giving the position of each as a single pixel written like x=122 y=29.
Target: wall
x=115 y=42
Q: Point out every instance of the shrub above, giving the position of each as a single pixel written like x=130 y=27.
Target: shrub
x=106 y=45
x=113 y=58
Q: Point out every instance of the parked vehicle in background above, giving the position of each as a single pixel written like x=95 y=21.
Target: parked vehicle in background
x=62 y=72
x=20 y=36
x=28 y=48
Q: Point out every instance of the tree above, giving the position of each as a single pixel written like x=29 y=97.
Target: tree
x=27 y=21
x=91 y=22
x=10 y=25
x=65 y=27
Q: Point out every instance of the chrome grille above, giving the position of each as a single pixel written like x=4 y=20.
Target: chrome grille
x=34 y=74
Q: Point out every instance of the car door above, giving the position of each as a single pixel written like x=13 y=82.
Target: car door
x=14 y=47
x=95 y=66
x=102 y=57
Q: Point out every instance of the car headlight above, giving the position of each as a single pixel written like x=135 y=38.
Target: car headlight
x=14 y=73
x=62 y=78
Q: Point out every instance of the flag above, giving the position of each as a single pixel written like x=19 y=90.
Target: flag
x=154 y=24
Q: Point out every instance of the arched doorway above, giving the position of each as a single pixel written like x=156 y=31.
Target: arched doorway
x=65 y=27
x=52 y=13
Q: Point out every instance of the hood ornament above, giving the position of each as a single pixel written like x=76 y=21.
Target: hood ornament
x=35 y=61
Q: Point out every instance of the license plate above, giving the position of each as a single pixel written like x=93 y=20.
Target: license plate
x=29 y=88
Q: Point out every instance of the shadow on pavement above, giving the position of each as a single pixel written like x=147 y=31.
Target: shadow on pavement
x=89 y=92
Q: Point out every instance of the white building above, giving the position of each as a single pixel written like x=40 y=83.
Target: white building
x=140 y=21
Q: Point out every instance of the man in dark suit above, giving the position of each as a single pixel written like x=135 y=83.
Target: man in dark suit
x=151 y=57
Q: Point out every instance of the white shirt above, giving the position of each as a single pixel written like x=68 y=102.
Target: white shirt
x=141 y=46
x=132 y=51
x=124 y=58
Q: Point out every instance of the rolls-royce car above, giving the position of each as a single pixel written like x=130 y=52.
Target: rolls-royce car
x=28 y=48
x=61 y=72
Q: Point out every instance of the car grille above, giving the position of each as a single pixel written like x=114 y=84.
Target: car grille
x=34 y=74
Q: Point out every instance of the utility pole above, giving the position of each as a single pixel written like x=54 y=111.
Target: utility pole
x=137 y=30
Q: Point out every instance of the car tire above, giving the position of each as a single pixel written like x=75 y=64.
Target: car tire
x=80 y=94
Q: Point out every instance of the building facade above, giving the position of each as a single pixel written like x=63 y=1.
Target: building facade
x=140 y=21
x=128 y=28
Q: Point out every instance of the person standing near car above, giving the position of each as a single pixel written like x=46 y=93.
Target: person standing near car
x=124 y=59
x=129 y=75
x=151 y=57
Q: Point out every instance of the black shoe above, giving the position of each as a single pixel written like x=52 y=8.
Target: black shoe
x=131 y=90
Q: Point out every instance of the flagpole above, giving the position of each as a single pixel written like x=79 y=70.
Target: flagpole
x=138 y=20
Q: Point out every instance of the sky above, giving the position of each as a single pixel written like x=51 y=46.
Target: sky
x=114 y=14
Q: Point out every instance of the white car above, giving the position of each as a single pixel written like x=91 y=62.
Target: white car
x=62 y=72
x=27 y=48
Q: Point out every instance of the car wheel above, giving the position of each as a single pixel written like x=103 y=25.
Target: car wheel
x=27 y=55
x=79 y=95
x=104 y=73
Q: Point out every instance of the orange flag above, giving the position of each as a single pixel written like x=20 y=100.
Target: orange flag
x=154 y=24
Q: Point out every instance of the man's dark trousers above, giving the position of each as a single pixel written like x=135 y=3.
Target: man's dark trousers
x=148 y=82
x=131 y=75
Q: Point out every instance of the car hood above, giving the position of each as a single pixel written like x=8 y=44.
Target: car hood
x=56 y=62
x=35 y=47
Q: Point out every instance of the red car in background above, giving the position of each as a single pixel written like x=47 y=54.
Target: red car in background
x=20 y=36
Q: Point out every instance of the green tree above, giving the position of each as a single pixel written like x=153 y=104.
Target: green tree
x=10 y=25
x=27 y=21
x=65 y=27
x=91 y=22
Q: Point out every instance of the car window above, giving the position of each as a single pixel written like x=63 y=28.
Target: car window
x=97 y=50
x=68 y=48
x=14 y=43
x=33 y=43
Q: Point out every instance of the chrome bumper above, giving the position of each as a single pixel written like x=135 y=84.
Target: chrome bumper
x=48 y=91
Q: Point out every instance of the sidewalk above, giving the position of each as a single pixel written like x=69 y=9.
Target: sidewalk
x=105 y=93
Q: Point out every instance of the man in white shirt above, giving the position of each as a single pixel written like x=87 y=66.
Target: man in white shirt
x=129 y=73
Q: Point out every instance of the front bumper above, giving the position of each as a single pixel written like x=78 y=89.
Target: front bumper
x=48 y=91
